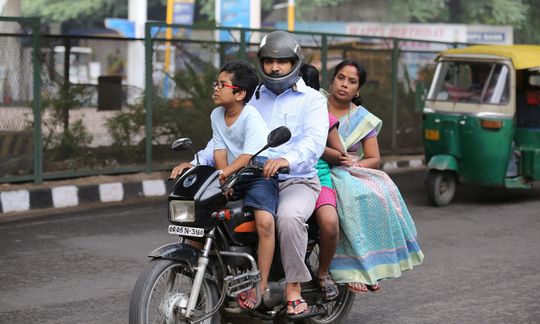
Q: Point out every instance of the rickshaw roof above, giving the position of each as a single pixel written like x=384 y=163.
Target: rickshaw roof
x=522 y=56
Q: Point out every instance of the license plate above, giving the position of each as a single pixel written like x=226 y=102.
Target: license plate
x=432 y=134
x=186 y=231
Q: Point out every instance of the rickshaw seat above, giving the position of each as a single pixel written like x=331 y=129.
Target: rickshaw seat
x=456 y=93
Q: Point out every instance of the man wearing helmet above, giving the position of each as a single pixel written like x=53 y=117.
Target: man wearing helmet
x=284 y=99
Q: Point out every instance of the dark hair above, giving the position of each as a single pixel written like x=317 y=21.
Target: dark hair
x=310 y=75
x=362 y=76
x=243 y=76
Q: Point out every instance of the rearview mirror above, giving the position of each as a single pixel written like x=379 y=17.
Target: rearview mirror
x=278 y=136
x=182 y=144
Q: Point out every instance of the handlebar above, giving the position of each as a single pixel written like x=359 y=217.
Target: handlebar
x=255 y=169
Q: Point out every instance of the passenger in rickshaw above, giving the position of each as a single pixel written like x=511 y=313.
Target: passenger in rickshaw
x=470 y=86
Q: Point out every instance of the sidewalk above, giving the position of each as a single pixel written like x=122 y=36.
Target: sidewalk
x=89 y=191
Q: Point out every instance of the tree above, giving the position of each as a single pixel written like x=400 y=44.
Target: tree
x=62 y=10
x=86 y=13
x=521 y=14
x=490 y=12
x=528 y=32
x=208 y=6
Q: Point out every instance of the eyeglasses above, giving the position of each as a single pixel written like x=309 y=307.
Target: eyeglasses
x=222 y=85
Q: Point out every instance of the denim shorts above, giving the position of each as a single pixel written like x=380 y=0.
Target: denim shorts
x=260 y=193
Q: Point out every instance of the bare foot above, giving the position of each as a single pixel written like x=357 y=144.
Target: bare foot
x=247 y=299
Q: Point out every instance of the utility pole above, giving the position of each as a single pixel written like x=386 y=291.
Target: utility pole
x=290 y=15
x=135 y=60
x=290 y=12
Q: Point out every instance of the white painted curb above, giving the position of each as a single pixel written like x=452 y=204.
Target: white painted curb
x=65 y=196
x=109 y=192
x=18 y=200
x=153 y=188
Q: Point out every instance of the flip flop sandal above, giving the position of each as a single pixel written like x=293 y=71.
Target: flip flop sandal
x=355 y=290
x=329 y=289
x=374 y=288
x=309 y=312
x=304 y=314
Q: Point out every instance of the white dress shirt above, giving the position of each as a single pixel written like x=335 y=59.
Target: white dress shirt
x=304 y=111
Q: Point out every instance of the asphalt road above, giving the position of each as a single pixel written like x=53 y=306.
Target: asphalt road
x=481 y=266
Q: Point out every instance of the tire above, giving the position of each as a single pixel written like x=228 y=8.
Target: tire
x=441 y=187
x=153 y=302
x=337 y=309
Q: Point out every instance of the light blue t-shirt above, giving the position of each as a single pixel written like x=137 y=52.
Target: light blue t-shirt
x=247 y=135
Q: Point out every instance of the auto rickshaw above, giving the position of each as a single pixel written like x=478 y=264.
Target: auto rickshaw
x=481 y=119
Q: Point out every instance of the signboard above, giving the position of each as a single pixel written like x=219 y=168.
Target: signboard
x=482 y=34
x=183 y=12
x=125 y=27
x=237 y=13
x=448 y=33
x=428 y=32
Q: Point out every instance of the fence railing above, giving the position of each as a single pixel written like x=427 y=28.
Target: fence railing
x=106 y=104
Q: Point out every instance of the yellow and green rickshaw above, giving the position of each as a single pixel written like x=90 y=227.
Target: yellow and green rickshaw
x=481 y=120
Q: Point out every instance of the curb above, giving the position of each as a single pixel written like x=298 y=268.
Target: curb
x=28 y=198
x=402 y=164
x=72 y=196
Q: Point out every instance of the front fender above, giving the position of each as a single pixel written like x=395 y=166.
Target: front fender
x=443 y=162
x=177 y=251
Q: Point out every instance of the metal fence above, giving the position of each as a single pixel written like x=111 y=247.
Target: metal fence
x=77 y=105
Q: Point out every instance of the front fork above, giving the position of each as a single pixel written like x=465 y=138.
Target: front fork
x=199 y=274
x=234 y=284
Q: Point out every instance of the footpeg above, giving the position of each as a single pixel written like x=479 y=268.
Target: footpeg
x=235 y=285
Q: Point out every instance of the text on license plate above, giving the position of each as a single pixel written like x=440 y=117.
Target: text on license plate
x=186 y=231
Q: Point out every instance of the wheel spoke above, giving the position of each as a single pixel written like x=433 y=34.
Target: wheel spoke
x=171 y=287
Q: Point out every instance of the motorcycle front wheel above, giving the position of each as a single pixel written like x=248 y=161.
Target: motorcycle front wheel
x=161 y=291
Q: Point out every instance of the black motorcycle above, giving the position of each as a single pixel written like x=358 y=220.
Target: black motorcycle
x=198 y=279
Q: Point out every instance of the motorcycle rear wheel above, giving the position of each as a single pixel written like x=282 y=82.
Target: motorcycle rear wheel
x=337 y=309
x=161 y=287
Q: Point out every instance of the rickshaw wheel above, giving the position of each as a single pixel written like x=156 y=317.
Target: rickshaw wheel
x=441 y=187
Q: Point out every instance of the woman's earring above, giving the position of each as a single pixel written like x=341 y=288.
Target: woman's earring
x=357 y=95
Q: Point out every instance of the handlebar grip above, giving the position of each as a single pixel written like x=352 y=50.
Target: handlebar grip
x=284 y=170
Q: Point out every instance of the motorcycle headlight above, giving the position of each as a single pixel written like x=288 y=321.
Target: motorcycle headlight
x=181 y=211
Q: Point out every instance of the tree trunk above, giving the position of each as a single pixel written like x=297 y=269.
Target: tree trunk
x=456 y=11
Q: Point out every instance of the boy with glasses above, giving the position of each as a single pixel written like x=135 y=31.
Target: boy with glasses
x=239 y=132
